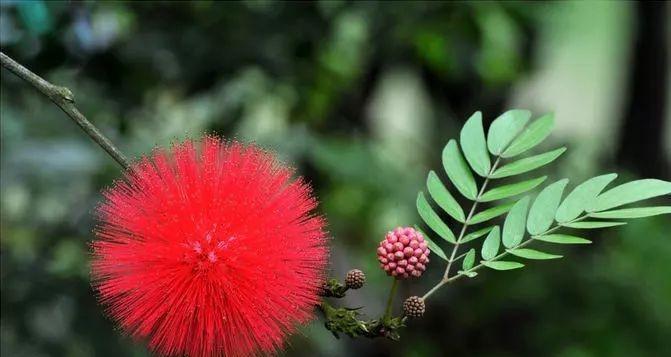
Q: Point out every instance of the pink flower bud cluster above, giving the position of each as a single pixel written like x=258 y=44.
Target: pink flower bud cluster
x=403 y=253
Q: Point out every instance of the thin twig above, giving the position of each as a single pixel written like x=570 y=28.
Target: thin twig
x=460 y=256
x=504 y=253
x=65 y=100
x=446 y=276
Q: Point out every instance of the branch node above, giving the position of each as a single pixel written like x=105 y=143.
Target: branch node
x=64 y=99
x=65 y=94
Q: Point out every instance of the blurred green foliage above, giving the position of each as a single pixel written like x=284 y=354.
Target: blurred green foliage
x=357 y=96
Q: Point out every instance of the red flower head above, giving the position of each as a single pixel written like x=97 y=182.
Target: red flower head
x=209 y=250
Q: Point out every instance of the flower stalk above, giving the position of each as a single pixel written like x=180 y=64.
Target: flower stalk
x=390 y=299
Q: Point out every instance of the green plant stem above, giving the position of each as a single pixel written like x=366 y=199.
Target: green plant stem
x=503 y=254
x=435 y=288
x=460 y=256
x=65 y=100
x=390 y=300
x=446 y=275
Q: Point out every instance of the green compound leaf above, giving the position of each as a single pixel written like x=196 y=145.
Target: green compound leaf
x=475 y=235
x=491 y=245
x=630 y=192
x=532 y=254
x=527 y=164
x=469 y=260
x=513 y=226
x=472 y=139
x=582 y=197
x=505 y=128
x=514 y=189
x=432 y=245
x=502 y=265
x=443 y=198
x=458 y=171
x=592 y=224
x=432 y=220
x=490 y=213
x=533 y=135
x=633 y=212
x=562 y=239
x=542 y=212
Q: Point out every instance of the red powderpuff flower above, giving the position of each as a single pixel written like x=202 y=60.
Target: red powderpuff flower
x=209 y=249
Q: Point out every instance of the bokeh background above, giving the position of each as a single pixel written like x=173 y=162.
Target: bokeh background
x=360 y=97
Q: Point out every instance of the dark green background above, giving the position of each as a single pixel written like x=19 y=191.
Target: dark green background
x=360 y=97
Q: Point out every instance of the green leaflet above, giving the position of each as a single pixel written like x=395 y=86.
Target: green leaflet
x=470 y=274
x=592 y=224
x=435 y=248
x=502 y=265
x=475 y=235
x=562 y=239
x=505 y=128
x=458 y=171
x=511 y=190
x=542 y=212
x=432 y=245
x=533 y=135
x=630 y=192
x=432 y=220
x=638 y=212
x=513 y=226
x=581 y=197
x=491 y=245
x=490 y=213
x=472 y=139
x=469 y=260
x=532 y=254
x=443 y=198
x=527 y=164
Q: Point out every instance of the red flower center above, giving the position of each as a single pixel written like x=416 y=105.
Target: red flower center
x=206 y=254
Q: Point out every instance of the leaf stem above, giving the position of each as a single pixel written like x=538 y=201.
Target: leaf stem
x=521 y=245
x=468 y=218
x=452 y=259
x=64 y=99
x=435 y=288
x=390 y=299
x=503 y=254
x=460 y=256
